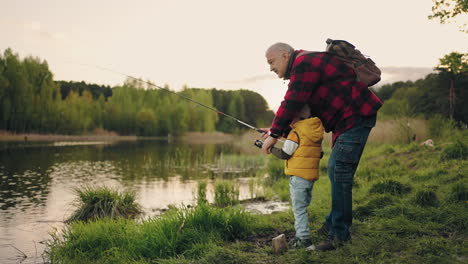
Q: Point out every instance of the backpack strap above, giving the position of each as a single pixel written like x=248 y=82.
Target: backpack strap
x=304 y=53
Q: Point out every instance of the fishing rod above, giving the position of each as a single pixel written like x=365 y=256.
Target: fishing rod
x=180 y=95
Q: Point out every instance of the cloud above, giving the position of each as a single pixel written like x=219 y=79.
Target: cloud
x=37 y=29
x=389 y=75
x=396 y=74
x=32 y=30
x=252 y=79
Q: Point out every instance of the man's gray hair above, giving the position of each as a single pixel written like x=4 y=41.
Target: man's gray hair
x=280 y=47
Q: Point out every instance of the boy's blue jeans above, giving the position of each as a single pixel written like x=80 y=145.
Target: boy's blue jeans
x=342 y=165
x=301 y=196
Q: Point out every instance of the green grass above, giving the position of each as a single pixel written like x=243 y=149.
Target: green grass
x=457 y=150
x=95 y=203
x=187 y=232
x=201 y=192
x=410 y=206
x=226 y=194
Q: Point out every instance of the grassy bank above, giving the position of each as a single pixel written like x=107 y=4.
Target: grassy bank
x=410 y=206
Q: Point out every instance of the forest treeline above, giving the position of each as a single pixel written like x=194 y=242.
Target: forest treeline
x=31 y=101
x=443 y=94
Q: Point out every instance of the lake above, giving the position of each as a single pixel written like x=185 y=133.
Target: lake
x=38 y=181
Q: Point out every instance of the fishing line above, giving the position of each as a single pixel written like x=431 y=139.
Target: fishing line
x=168 y=90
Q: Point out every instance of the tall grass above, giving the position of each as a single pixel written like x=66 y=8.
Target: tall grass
x=275 y=169
x=440 y=127
x=402 y=130
x=187 y=232
x=456 y=150
x=101 y=202
x=226 y=194
x=201 y=192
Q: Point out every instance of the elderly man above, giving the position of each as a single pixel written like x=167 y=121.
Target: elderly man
x=345 y=106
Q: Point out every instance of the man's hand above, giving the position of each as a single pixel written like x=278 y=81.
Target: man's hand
x=265 y=132
x=268 y=143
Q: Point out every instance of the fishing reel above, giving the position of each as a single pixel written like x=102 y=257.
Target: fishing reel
x=258 y=143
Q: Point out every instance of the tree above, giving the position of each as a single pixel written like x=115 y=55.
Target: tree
x=386 y=91
x=453 y=66
x=146 y=122
x=446 y=10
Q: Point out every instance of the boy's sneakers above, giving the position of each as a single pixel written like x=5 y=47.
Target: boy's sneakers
x=297 y=243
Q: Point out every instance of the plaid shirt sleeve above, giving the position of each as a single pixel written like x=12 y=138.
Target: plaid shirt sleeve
x=305 y=78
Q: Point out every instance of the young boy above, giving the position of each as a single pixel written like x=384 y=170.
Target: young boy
x=302 y=151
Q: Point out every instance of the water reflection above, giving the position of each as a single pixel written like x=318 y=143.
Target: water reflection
x=38 y=179
x=23 y=177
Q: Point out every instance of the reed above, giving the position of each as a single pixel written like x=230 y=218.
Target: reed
x=226 y=194
x=201 y=192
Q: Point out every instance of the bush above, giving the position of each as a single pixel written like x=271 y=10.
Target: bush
x=458 y=150
x=103 y=202
x=440 y=127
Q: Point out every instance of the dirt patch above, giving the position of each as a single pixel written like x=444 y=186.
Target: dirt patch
x=264 y=240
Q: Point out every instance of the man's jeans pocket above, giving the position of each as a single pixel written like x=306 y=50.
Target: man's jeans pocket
x=349 y=149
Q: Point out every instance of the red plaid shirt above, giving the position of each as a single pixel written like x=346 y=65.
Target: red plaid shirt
x=330 y=88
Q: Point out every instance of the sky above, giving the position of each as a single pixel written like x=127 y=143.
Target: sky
x=219 y=44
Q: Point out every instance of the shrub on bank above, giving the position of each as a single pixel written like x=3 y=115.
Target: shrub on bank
x=103 y=202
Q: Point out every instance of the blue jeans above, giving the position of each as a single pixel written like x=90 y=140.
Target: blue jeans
x=342 y=165
x=301 y=195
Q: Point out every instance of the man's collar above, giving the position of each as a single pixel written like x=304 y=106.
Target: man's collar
x=292 y=57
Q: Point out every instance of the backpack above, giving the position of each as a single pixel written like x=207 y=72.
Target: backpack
x=365 y=69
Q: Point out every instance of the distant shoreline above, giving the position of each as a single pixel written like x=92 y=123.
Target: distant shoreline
x=191 y=137
x=55 y=137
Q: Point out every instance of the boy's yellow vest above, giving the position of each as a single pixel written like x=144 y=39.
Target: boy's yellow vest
x=305 y=160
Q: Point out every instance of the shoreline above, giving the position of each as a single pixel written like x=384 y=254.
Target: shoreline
x=190 y=137
x=8 y=137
